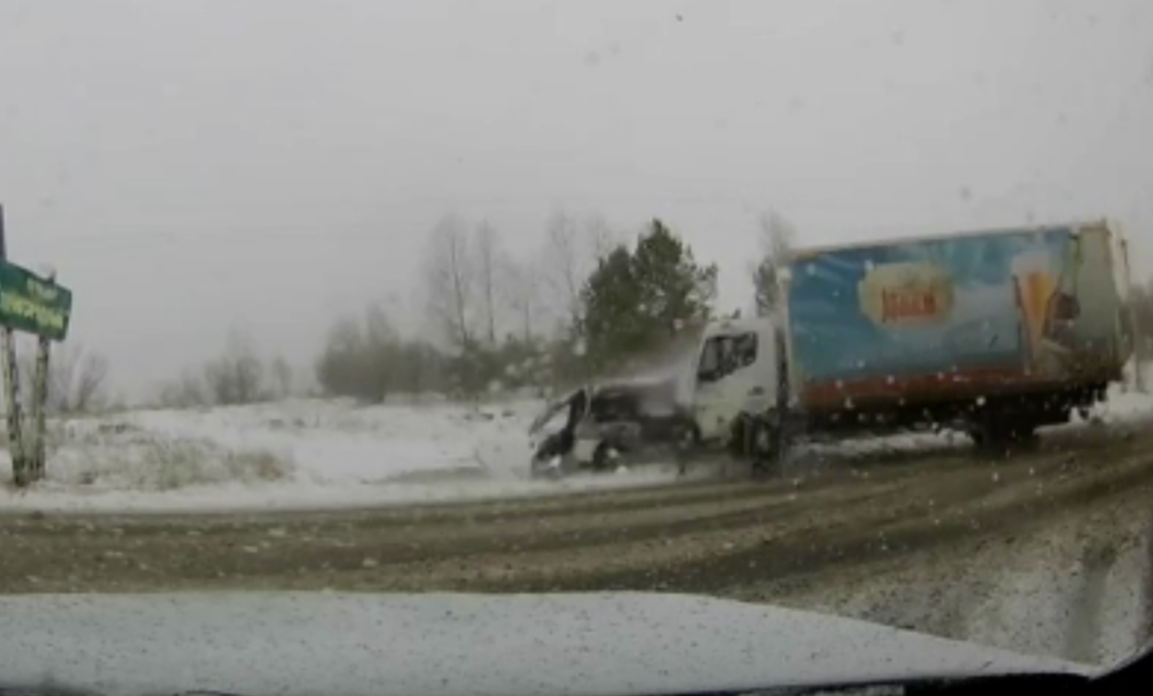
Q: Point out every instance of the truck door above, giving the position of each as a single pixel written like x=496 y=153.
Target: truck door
x=736 y=372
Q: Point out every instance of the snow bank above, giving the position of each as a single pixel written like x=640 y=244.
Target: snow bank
x=297 y=454
x=1126 y=405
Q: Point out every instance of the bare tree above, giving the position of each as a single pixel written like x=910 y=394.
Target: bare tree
x=237 y=376
x=282 y=373
x=521 y=290
x=88 y=384
x=341 y=369
x=488 y=262
x=572 y=248
x=777 y=239
x=562 y=252
x=601 y=240
x=76 y=379
x=371 y=360
x=186 y=392
x=378 y=328
x=450 y=279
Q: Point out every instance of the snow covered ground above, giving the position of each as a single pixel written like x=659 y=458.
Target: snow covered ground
x=297 y=454
x=317 y=453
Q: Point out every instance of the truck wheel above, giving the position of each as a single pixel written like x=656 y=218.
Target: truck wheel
x=735 y=447
x=1002 y=435
x=765 y=447
x=544 y=469
x=601 y=460
x=689 y=436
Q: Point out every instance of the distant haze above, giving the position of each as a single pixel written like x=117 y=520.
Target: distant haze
x=189 y=166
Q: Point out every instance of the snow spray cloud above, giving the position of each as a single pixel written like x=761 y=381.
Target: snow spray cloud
x=675 y=362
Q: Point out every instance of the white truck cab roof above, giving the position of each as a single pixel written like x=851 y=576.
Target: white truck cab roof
x=737 y=325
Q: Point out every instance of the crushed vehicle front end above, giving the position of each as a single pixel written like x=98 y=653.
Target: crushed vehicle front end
x=631 y=422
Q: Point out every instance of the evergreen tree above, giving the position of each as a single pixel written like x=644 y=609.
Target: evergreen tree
x=674 y=290
x=611 y=324
x=636 y=302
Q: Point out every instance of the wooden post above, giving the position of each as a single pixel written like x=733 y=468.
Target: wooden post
x=10 y=374
x=38 y=455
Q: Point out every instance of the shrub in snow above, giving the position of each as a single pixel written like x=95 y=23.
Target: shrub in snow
x=167 y=464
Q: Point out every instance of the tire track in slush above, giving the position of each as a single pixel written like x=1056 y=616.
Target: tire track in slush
x=344 y=548
x=861 y=534
x=904 y=536
x=702 y=536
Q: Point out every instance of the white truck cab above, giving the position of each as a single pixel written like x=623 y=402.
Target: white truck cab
x=738 y=367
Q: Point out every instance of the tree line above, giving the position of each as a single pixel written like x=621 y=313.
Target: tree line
x=590 y=302
x=587 y=302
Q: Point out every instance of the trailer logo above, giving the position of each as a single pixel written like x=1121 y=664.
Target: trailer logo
x=900 y=305
x=901 y=294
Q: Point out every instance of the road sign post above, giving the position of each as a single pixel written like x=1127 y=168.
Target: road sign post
x=38 y=453
x=11 y=380
x=12 y=405
x=39 y=449
x=36 y=305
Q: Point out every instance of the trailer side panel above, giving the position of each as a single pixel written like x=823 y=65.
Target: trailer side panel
x=950 y=318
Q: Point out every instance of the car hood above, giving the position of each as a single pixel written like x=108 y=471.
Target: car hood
x=353 y=644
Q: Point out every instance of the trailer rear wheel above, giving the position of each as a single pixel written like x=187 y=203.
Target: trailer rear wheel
x=765 y=447
x=1001 y=434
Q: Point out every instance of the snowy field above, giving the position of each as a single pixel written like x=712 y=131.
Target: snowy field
x=322 y=454
x=293 y=455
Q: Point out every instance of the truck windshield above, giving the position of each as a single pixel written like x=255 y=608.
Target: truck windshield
x=723 y=355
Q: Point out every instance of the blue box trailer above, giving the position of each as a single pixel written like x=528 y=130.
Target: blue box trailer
x=958 y=319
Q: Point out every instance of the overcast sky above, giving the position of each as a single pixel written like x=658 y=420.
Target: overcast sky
x=191 y=165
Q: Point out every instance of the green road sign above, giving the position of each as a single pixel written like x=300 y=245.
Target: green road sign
x=33 y=304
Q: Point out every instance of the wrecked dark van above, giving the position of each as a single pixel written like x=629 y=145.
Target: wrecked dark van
x=611 y=423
